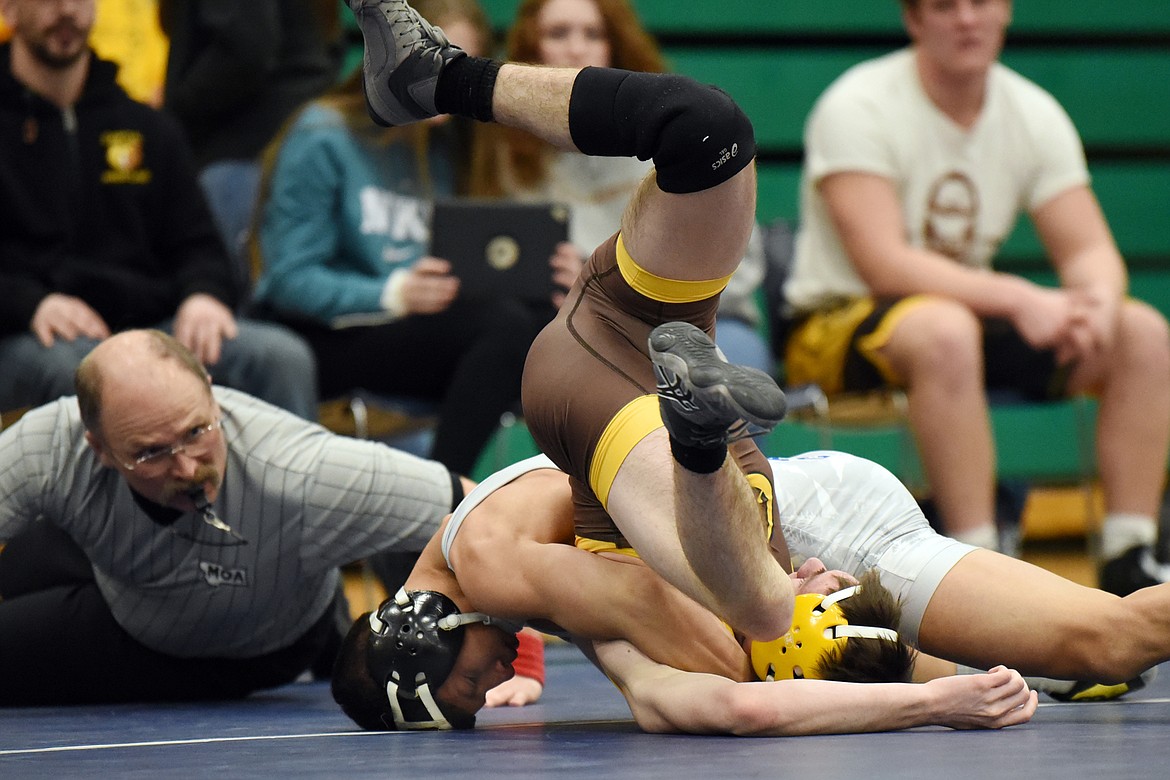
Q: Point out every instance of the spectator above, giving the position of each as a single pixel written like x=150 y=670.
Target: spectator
x=237 y=70
x=917 y=165
x=343 y=239
x=103 y=226
x=508 y=162
x=127 y=32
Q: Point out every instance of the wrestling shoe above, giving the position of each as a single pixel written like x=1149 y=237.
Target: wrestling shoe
x=1134 y=569
x=1088 y=691
x=403 y=59
x=706 y=401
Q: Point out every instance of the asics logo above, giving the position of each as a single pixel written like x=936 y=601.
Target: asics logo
x=672 y=388
x=724 y=155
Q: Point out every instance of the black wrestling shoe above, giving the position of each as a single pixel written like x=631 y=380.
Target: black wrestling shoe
x=1088 y=691
x=706 y=401
x=404 y=56
x=1134 y=569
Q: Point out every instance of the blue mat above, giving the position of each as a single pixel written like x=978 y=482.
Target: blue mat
x=581 y=729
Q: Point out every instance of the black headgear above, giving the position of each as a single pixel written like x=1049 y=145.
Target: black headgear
x=415 y=639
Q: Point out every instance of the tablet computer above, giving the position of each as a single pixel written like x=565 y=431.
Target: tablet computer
x=499 y=248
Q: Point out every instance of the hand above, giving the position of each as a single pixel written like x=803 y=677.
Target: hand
x=430 y=288
x=1094 y=322
x=812 y=577
x=67 y=317
x=1043 y=316
x=201 y=325
x=566 y=263
x=515 y=692
x=993 y=700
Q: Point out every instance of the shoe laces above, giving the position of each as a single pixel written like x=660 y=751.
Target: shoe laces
x=742 y=429
x=417 y=30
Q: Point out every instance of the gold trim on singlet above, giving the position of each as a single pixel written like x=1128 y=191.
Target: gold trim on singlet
x=659 y=288
x=596 y=546
x=629 y=426
x=762 y=491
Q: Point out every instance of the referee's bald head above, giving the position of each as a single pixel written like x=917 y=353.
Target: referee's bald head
x=126 y=356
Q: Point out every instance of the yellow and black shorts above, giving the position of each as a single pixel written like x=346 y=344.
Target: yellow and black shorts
x=839 y=348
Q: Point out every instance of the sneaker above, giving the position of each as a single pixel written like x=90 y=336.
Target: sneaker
x=1134 y=569
x=404 y=56
x=1087 y=691
x=705 y=400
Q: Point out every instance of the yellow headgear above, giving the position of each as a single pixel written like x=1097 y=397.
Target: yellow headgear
x=818 y=625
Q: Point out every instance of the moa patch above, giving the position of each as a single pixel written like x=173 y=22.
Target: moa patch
x=216 y=575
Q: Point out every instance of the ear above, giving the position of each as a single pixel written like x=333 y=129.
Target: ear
x=95 y=444
x=910 y=20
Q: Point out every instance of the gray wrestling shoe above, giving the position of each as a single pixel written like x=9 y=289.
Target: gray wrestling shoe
x=706 y=401
x=404 y=56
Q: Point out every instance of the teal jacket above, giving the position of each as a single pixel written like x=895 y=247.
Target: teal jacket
x=343 y=212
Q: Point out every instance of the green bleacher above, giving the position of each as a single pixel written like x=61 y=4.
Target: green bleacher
x=746 y=18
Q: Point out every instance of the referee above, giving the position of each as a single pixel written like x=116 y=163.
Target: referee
x=170 y=540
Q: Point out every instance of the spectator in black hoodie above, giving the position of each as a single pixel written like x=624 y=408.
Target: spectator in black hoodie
x=103 y=227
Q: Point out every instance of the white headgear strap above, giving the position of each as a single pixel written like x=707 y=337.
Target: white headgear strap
x=452 y=621
x=862 y=632
x=423 y=691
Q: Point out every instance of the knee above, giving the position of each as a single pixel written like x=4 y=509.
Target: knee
x=770 y=618
x=696 y=134
x=42 y=374
x=705 y=140
x=54 y=376
x=942 y=338
x=1145 y=338
x=273 y=364
x=294 y=355
x=278 y=350
x=1107 y=649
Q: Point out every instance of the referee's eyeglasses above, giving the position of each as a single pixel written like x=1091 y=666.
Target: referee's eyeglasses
x=195 y=443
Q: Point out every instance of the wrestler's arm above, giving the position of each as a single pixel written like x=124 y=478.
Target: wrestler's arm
x=665 y=700
x=514 y=559
x=430 y=572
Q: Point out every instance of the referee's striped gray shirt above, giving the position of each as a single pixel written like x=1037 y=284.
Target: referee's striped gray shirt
x=306 y=500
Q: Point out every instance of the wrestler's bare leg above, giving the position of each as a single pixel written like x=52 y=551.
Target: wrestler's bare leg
x=535 y=99
x=704 y=533
x=716 y=520
x=992 y=609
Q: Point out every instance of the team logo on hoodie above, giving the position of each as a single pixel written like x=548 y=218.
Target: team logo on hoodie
x=124 y=158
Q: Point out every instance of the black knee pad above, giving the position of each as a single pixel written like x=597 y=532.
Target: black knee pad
x=696 y=134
